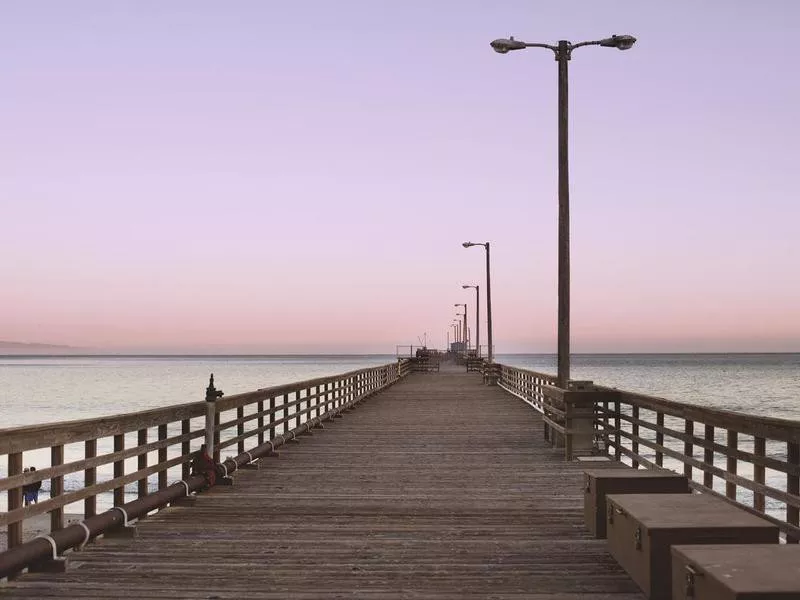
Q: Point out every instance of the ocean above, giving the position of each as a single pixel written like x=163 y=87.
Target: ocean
x=43 y=389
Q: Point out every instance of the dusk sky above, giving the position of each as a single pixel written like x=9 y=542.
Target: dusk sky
x=260 y=176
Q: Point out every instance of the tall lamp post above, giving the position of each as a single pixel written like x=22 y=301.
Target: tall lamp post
x=477 y=315
x=563 y=52
x=466 y=331
x=488 y=296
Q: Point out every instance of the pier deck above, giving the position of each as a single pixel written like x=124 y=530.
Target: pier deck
x=439 y=487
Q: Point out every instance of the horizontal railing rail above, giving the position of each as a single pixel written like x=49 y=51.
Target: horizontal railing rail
x=106 y=447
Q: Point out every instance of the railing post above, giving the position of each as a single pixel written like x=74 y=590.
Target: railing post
x=272 y=409
x=212 y=419
x=89 y=479
x=635 y=435
x=759 y=472
x=793 y=488
x=617 y=429
x=142 y=463
x=260 y=408
x=285 y=413
x=186 y=467
x=162 y=457
x=240 y=429
x=733 y=445
x=708 y=457
x=57 y=488
x=14 y=499
x=660 y=438
x=119 y=469
x=688 y=448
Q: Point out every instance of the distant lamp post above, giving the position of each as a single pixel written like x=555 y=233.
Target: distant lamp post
x=488 y=297
x=477 y=315
x=563 y=52
x=466 y=331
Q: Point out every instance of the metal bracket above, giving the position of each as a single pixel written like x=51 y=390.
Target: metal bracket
x=691 y=574
x=52 y=544
x=124 y=515
x=610 y=513
x=637 y=538
x=85 y=537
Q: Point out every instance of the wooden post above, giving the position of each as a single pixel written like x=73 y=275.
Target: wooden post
x=217 y=420
x=733 y=445
x=708 y=457
x=260 y=422
x=285 y=413
x=14 y=499
x=240 y=429
x=162 y=457
x=89 y=479
x=635 y=435
x=617 y=426
x=271 y=418
x=57 y=488
x=298 y=404
x=659 y=438
x=212 y=419
x=688 y=448
x=793 y=488
x=759 y=472
x=142 y=464
x=186 y=449
x=119 y=469
x=568 y=417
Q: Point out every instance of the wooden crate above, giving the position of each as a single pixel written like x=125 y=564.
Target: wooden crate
x=600 y=482
x=734 y=572
x=642 y=527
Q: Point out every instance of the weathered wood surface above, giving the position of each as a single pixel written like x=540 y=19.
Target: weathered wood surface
x=439 y=487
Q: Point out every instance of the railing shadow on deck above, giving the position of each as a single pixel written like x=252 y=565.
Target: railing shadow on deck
x=748 y=460
x=255 y=423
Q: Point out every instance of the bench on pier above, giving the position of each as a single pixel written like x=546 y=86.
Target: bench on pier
x=424 y=365
x=474 y=364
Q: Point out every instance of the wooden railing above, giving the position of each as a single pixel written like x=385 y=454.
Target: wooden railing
x=163 y=441
x=748 y=460
x=527 y=385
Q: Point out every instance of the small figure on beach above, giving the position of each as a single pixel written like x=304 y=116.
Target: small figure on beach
x=30 y=492
x=203 y=464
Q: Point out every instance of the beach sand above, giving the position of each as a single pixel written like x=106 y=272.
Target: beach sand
x=34 y=526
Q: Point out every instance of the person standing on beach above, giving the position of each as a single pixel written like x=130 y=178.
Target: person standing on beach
x=30 y=492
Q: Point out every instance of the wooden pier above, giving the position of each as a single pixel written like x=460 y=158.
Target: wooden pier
x=396 y=481
x=439 y=487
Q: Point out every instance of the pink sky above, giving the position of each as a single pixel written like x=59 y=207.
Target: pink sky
x=279 y=177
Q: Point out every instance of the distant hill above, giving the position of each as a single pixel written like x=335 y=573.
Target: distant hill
x=23 y=347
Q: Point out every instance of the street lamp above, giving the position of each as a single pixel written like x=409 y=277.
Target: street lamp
x=563 y=52
x=466 y=331
x=477 y=315
x=488 y=295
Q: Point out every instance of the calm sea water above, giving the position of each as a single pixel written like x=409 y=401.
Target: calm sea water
x=50 y=389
